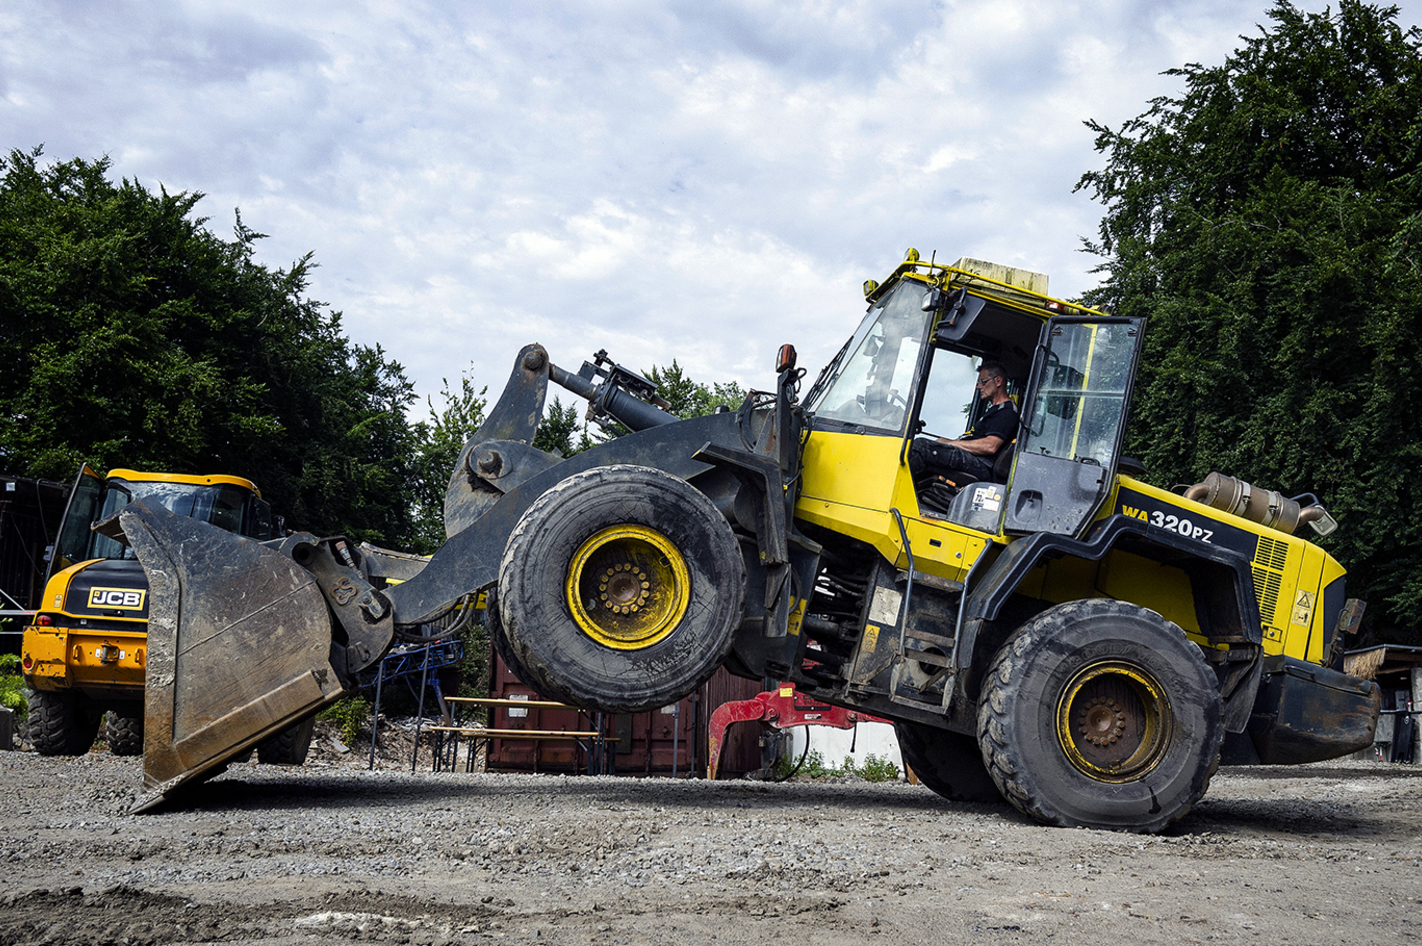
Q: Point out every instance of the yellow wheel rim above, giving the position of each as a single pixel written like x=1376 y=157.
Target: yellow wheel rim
x=628 y=587
x=1114 y=721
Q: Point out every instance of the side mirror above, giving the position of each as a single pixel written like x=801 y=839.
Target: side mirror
x=785 y=359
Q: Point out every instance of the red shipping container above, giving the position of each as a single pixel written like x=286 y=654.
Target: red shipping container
x=666 y=741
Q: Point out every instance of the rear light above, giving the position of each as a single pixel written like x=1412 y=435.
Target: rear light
x=28 y=663
x=44 y=620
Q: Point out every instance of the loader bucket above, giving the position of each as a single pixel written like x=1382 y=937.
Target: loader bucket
x=239 y=646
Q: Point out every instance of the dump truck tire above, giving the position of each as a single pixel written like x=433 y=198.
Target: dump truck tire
x=62 y=723
x=619 y=590
x=1100 y=714
x=124 y=731
x=949 y=763
x=288 y=747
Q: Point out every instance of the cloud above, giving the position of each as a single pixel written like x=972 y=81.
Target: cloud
x=697 y=180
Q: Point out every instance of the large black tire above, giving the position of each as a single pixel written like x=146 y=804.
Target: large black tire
x=288 y=747
x=657 y=582
x=124 y=730
x=62 y=723
x=495 y=626
x=1100 y=714
x=949 y=763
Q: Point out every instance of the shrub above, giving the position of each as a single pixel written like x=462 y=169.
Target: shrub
x=350 y=714
x=12 y=686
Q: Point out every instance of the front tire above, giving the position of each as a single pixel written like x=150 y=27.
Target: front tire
x=288 y=747
x=124 y=731
x=619 y=590
x=1100 y=714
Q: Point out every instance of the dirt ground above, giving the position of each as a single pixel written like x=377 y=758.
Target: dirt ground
x=332 y=853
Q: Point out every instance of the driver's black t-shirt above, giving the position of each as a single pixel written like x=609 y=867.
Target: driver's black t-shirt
x=1000 y=420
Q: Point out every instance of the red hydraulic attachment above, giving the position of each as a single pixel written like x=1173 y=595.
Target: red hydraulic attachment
x=782 y=708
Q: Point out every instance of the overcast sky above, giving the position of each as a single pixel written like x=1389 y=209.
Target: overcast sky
x=692 y=180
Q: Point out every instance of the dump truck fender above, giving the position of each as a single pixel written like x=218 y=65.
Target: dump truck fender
x=1222 y=581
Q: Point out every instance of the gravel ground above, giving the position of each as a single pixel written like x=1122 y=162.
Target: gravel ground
x=331 y=853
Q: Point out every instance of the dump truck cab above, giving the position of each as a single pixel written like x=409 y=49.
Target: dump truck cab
x=85 y=651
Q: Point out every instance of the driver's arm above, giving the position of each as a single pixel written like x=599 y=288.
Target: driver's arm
x=980 y=446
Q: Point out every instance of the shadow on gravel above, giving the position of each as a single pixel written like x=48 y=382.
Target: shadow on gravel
x=1350 y=773
x=1297 y=817
x=351 y=792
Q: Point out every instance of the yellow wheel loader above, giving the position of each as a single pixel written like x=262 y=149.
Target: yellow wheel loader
x=84 y=652
x=1056 y=632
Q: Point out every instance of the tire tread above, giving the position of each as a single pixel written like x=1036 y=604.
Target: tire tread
x=1005 y=762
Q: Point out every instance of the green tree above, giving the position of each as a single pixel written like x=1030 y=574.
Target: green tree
x=132 y=336
x=1268 y=223
x=440 y=438
x=561 y=432
x=690 y=398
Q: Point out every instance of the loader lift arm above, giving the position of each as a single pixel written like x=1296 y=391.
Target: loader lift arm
x=249 y=638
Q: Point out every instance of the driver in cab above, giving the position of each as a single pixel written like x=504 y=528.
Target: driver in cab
x=972 y=453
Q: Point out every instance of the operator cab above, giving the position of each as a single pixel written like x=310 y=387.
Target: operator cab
x=911 y=366
x=228 y=502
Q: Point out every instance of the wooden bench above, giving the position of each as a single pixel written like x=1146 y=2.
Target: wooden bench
x=591 y=741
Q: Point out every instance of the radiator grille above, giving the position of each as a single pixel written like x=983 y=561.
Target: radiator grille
x=1266 y=589
x=1269 y=560
x=1272 y=553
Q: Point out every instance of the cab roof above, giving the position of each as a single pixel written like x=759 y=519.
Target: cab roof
x=1010 y=323
x=135 y=476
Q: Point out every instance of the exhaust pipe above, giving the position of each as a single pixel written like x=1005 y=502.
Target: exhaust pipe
x=1268 y=507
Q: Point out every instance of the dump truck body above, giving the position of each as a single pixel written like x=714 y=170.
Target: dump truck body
x=1059 y=633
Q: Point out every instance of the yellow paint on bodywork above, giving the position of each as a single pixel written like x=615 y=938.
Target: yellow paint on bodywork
x=43 y=649
x=63 y=657
x=1307 y=630
x=852 y=469
x=1284 y=568
x=1162 y=588
x=67 y=654
x=852 y=481
x=135 y=476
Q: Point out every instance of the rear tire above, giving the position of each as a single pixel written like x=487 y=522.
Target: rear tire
x=62 y=723
x=949 y=763
x=1100 y=714
x=125 y=731
x=288 y=747
x=619 y=590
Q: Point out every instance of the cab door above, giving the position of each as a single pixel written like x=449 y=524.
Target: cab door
x=79 y=514
x=1077 y=401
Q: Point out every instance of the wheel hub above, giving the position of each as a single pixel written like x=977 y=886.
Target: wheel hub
x=624 y=588
x=1102 y=721
x=1114 y=721
x=628 y=587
